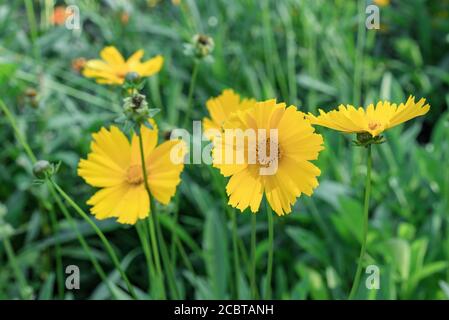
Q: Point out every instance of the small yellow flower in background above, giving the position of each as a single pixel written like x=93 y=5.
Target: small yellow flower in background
x=114 y=165
x=220 y=109
x=297 y=144
x=374 y=120
x=382 y=3
x=113 y=68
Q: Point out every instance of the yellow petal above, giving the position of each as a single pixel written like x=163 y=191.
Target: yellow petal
x=106 y=165
x=135 y=58
x=150 y=137
x=163 y=172
x=112 y=56
x=409 y=110
x=245 y=189
x=149 y=67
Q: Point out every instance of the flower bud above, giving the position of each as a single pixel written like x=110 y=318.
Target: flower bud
x=364 y=139
x=204 y=45
x=132 y=77
x=41 y=168
x=201 y=46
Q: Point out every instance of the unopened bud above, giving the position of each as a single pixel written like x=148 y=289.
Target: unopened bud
x=41 y=168
x=204 y=45
x=132 y=77
x=364 y=139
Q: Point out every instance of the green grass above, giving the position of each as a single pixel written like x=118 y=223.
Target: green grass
x=306 y=53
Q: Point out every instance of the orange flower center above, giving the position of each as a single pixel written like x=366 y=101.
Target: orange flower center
x=373 y=125
x=134 y=174
x=265 y=159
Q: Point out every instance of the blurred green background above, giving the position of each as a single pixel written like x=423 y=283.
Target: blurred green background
x=313 y=54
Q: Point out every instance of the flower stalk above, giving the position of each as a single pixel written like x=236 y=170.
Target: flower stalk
x=358 y=273
x=270 y=251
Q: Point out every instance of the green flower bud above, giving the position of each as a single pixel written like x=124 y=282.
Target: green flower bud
x=200 y=47
x=364 y=139
x=42 y=167
x=132 y=77
x=204 y=45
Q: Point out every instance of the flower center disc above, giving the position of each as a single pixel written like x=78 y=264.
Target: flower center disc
x=134 y=174
x=266 y=157
x=373 y=125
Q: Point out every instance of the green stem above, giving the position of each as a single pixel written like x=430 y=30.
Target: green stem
x=81 y=238
x=151 y=217
x=270 y=252
x=157 y=259
x=235 y=250
x=100 y=234
x=17 y=132
x=358 y=273
x=17 y=272
x=254 y=293
x=165 y=258
x=144 y=240
x=59 y=271
x=190 y=94
x=33 y=28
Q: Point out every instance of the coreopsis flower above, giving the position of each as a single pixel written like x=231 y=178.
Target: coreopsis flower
x=274 y=158
x=114 y=165
x=113 y=68
x=220 y=109
x=374 y=120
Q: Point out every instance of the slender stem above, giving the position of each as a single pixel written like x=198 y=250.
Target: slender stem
x=144 y=240
x=358 y=273
x=196 y=65
x=100 y=234
x=270 y=251
x=33 y=28
x=174 y=238
x=184 y=256
x=235 y=250
x=254 y=293
x=165 y=258
x=59 y=271
x=81 y=238
x=154 y=246
x=17 y=132
x=15 y=267
x=151 y=218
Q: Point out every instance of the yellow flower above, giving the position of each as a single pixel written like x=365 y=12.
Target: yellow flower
x=113 y=68
x=114 y=165
x=382 y=3
x=220 y=109
x=289 y=154
x=373 y=120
